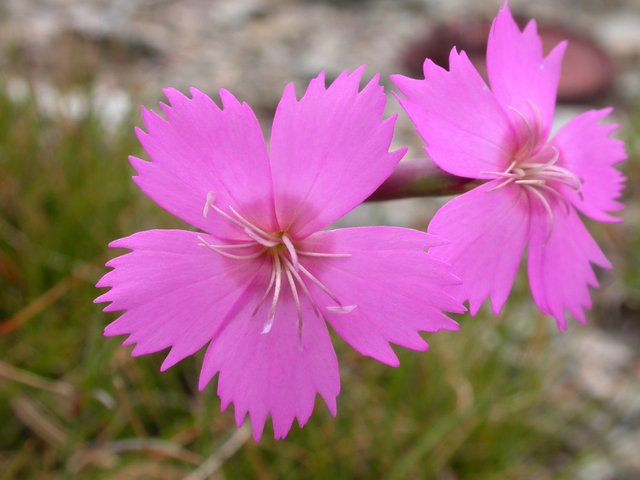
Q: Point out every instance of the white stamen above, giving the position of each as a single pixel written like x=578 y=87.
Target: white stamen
x=530 y=182
x=210 y=205
x=323 y=254
x=342 y=309
x=572 y=183
x=259 y=239
x=536 y=111
x=500 y=185
x=292 y=251
x=226 y=245
x=559 y=196
x=296 y=299
x=511 y=166
x=277 y=266
x=546 y=206
x=266 y=293
x=532 y=138
x=339 y=308
x=501 y=174
x=321 y=286
x=303 y=286
x=254 y=227
x=215 y=248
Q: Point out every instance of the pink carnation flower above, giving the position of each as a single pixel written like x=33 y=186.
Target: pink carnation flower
x=262 y=281
x=533 y=183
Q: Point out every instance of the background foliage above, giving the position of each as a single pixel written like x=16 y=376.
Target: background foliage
x=491 y=401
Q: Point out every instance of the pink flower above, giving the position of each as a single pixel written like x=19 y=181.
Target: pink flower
x=261 y=284
x=533 y=183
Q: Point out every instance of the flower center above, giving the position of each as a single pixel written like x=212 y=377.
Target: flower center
x=535 y=168
x=286 y=265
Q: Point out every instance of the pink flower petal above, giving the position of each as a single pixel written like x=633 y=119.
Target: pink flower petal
x=272 y=373
x=397 y=292
x=373 y=239
x=488 y=232
x=519 y=73
x=560 y=265
x=329 y=151
x=201 y=148
x=465 y=129
x=587 y=150
x=175 y=293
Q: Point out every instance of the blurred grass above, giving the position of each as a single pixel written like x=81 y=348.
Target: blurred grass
x=482 y=403
x=631 y=244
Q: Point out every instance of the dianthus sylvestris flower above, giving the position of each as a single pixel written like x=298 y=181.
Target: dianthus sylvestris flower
x=261 y=281
x=534 y=183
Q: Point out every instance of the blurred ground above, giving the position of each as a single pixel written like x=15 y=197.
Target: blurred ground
x=505 y=398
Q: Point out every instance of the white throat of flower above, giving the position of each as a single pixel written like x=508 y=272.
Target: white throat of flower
x=534 y=167
x=286 y=265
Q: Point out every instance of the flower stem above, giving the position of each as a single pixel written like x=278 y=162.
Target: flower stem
x=419 y=178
